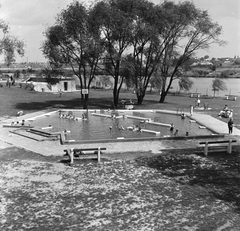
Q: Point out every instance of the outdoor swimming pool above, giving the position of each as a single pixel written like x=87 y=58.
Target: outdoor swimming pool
x=104 y=124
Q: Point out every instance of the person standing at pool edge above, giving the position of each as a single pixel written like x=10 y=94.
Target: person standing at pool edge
x=176 y=132
x=172 y=127
x=198 y=101
x=60 y=93
x=230 y=125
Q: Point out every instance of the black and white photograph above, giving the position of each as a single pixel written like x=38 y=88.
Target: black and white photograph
x=120 y=115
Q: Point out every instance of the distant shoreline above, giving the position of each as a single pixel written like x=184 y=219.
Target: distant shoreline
x=214 y=76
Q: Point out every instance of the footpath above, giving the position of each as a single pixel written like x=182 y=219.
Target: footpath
x=214 y=124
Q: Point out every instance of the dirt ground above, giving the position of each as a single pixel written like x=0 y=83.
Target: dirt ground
x=177 y=190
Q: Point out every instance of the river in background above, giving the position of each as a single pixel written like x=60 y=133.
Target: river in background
x=203 y=86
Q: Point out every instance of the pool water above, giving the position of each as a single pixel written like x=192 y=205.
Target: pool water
x=97 y=127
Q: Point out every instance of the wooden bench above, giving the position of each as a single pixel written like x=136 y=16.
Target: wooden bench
x=217 y=144
x=195 y=95
x=231 y=97
x=129 y=106
x=77 y=153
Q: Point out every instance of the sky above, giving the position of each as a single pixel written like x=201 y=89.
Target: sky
x=28 y=19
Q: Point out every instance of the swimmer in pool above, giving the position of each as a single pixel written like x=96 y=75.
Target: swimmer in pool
x=183 y=115
x=120 y=127
x=176 y=132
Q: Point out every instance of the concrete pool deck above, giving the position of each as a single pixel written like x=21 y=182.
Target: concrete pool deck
x=49 y=148
x=214 y=124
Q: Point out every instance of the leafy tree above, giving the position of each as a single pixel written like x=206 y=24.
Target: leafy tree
x=226 y=73
x=147 y=47
x=114 y=19
x=237 y=61
x=188 y=30
x=155 y=82
x=52 y=76
x=218 y=85
x=74 y=40
x=16 y=74
x=213 y=68
x=185 y=83
x=187 y=66
x=106 y=81
x=10 y=46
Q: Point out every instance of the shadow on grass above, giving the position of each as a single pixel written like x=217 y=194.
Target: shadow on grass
x=76 y=103
x=15 y=153
x=219 y=173
x=99 y=102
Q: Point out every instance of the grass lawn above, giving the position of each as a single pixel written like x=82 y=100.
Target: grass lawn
x=176 y=190
x=16 y=99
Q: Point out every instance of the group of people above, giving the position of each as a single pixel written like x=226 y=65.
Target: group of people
x=226 y=112
x=22 y=123
x=176 y=131
x=171 y=130
x=67 y=116
x=134 y=128
x=70 y=116
x=10 y=81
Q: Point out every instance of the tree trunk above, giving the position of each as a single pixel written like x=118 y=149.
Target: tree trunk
x=115 y=98
x=115 y=87
x=85 y=101
x=140 y=96
x=140 y=99
x=162 y=97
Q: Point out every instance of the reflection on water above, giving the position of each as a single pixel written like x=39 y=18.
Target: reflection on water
x=104 y=127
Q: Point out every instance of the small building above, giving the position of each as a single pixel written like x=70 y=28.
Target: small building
x=41 y=84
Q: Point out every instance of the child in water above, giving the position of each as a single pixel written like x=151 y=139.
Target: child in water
x=176 y=132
